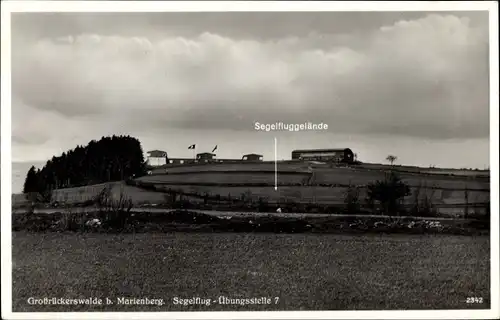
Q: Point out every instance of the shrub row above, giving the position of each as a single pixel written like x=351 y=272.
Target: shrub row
x=188 y=221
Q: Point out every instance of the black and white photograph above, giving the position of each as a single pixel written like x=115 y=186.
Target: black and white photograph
x=249 y=160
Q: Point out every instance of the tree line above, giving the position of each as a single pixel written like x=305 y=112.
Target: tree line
x=109 y=159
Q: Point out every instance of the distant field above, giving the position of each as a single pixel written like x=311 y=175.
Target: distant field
x=322 y=174
x=228 y=178
x=442 y=171
x=448 y=201
x=323 y=194
x=231 y=167
x=306 y=271
x=363 y=177
x=298 y=181
x=303 y=166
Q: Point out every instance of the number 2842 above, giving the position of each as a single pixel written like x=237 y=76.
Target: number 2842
x=474 y=300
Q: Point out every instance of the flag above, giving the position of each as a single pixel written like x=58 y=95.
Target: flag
x=192 y=146
x=214 y=148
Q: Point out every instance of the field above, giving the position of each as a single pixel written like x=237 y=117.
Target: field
x=448 y=202
x=433 y=170
x=298 y=182
x=235 y=167
x=228 y=177
x=290 y=173
x=305 y=271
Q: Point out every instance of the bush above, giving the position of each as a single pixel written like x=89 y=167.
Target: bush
x=70 y=221
x=39 y=197
x=487 y=212
x=87 y=203
x=263 y=205
x=389 y=193
x=351 y=199
x=246 y=197
x=423 y=206
x=116 y=212
x=188 y=217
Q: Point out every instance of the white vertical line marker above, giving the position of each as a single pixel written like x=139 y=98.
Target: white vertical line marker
x=275 y=164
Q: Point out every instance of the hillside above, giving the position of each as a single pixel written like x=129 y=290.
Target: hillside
x=298 y=182
x=293 y=173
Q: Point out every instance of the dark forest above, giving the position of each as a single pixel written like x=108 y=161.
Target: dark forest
x=109 y=159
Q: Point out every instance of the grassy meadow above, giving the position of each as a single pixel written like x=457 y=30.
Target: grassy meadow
x=306 y=271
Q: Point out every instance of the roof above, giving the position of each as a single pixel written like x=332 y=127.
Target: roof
x=322 y=150
x=157 y=153
x=205 y=153
x=252 y=154
x=156 y=150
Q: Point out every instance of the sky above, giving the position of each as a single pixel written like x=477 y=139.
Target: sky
x=411 y=84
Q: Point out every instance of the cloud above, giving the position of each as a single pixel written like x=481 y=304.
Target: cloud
x=423 y=78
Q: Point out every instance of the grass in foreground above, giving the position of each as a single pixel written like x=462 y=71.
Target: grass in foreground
x=306 y=271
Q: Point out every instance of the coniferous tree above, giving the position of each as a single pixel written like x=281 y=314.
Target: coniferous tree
x=31 y=183
x=109 y=159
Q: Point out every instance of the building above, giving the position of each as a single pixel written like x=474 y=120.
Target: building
x=252 y=157
x=177 y=161
x=327 y=155
x=157 y=157
x=205 y=157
